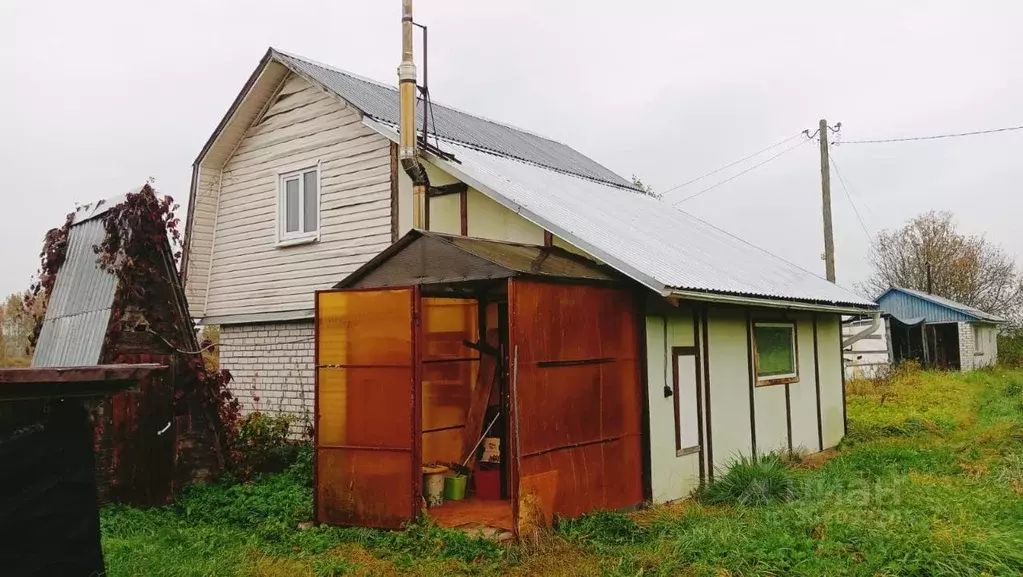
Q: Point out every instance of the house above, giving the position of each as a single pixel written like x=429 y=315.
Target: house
x=736 y=351
x=866 y=357
x=146 y=443
x=939 y=332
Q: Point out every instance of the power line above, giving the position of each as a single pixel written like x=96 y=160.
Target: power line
x=838 y=169
x=738 y=174
x=933 y=137
x=731 y=164
x=845 y=189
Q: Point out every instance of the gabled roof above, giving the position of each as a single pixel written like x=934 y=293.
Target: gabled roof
x=649 y=240
x=431 y=258
x=79 y=310
x=564 y=192
x=380 y=101
x=972 y=313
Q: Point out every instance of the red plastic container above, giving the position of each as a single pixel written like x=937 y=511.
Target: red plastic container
x=488 y=483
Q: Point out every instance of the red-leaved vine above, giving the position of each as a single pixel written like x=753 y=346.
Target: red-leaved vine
x=51 y=258
x=136 y=250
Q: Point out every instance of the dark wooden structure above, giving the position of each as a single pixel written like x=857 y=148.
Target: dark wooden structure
x=49 y=507
x=83 y=327
x=398 y=353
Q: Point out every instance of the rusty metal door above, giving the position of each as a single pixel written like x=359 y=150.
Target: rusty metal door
x=579 y=396
x=367 y=407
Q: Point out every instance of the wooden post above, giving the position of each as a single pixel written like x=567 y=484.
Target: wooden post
x=829 y=238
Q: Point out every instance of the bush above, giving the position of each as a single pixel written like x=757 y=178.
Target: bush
x=752 y=481
x=1010 y=349
x=260 y=444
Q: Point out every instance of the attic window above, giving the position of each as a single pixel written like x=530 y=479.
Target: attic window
x=775 y=353
x=298 y=206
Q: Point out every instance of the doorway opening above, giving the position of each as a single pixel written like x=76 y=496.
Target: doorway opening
x=465 y=409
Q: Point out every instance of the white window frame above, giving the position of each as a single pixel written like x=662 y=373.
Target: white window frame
x=792 y=377
x=285 y=238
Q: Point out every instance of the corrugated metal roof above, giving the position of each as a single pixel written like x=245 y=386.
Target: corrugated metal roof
x=100 y=207
x=641 y=236
x=78 y=312
x=380 y=101
x=902 y=309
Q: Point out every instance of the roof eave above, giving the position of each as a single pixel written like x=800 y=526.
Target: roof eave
x=768 y=302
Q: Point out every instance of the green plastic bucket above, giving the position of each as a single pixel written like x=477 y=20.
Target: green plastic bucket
x=454 y=487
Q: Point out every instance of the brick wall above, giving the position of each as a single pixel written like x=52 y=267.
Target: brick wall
x=966 y=347
x=272 y=366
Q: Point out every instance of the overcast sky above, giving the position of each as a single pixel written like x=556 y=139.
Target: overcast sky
x=97 y=96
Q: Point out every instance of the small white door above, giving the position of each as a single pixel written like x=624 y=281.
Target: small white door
x=676 y=447
x=686 y=390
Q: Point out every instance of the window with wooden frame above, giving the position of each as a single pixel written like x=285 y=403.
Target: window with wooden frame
x=776 y=358
x=298 y=206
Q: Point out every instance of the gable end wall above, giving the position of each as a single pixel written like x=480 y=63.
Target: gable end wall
x=251 y=275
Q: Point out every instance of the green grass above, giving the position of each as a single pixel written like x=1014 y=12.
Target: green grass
x=928 y=482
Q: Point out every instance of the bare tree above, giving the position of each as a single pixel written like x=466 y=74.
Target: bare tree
x=964 y=268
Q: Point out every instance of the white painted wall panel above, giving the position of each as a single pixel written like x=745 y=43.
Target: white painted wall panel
x=487 y=219
x=729 y=385
x=772 y=430
x=672 y=477
x=830 y=357
x=446 y=214
x=803 y=395
x=688 y=400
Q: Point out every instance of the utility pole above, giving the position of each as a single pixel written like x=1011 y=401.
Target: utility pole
x=829 y=237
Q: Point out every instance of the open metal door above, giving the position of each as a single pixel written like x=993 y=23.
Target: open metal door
x=367 y=407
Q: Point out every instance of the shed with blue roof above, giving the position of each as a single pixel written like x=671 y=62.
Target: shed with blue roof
x=939 y=332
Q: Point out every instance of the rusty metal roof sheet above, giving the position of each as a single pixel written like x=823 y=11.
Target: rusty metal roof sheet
x=380 y=101
x=78 y=312
x=430 y=258
x=644 y=237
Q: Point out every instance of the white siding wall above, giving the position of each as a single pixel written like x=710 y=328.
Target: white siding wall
x=272 y=366
x=250 y=274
